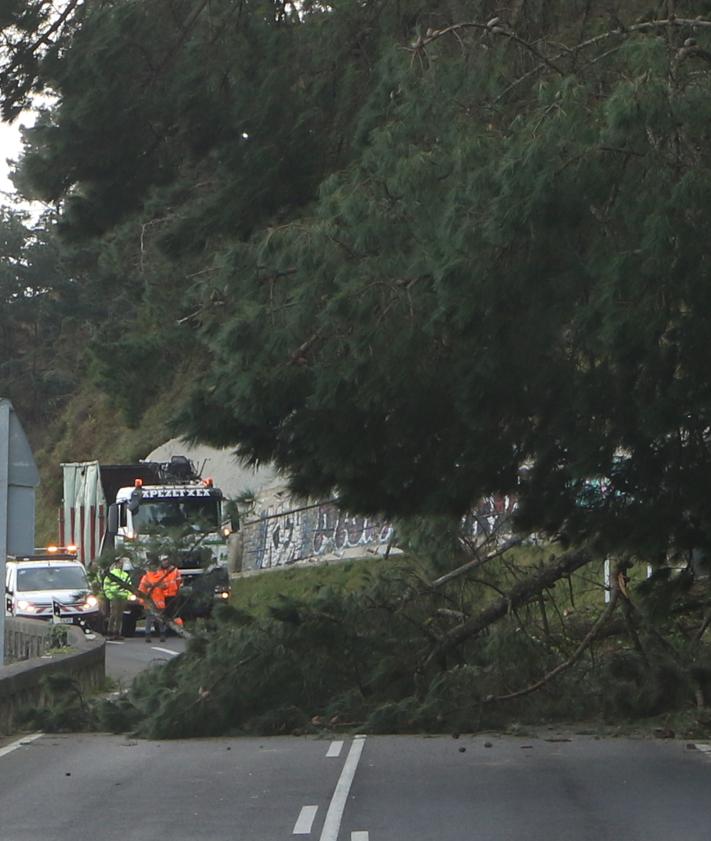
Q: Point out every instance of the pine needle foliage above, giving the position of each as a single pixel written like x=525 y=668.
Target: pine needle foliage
x=356 y=660
x=470 y=238
x=500 y=279
x=412 y=254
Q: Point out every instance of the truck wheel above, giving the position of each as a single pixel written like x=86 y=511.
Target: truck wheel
x=128 y=625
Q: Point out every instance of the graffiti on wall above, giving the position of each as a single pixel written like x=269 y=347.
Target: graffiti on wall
x=336 y=531
x=492 y=517
x=284 y=534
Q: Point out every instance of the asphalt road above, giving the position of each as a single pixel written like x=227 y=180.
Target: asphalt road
x=365 y=789
x=124 y=660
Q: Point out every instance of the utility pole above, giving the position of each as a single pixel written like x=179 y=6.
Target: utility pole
x=18 y=480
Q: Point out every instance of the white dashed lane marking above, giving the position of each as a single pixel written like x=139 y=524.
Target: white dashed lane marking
x=359 y=836
x=335 y=749
x=305 y=820
x=165 y=650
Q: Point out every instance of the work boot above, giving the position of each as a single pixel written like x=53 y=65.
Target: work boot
x=149 y=639
x=162 y=639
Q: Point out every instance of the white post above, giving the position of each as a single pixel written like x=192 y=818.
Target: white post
x=607 y=582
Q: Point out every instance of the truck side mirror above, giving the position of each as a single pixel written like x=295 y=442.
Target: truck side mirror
x=113 y=525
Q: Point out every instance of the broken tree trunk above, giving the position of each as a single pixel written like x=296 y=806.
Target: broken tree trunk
x=520 y=594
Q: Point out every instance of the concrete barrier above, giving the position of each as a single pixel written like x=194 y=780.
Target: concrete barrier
x=21 y=682
x=25 y=639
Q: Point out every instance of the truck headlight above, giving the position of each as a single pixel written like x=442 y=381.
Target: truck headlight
x=92 y=601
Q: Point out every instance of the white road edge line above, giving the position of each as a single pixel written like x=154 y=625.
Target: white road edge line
x=704 y=748
x=340 y=796
x=335 y=749
x=19 y=743
x=305 y=820
x=359 y=836
x=165 y=650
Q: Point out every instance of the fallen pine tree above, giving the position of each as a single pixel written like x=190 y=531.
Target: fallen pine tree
x=398 y=654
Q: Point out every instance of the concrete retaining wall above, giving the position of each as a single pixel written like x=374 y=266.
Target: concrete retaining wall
x=281 y=530
x=21 y=683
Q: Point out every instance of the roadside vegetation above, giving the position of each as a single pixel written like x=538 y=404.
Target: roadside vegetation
x=374 y=657
x=414 y=255
x=362 y=646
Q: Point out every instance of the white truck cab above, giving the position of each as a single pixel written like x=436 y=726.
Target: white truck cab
x=194 y=510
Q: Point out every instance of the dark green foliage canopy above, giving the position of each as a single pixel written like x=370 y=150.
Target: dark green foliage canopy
x=504 y=278
x=405 y=250
x=41 y=317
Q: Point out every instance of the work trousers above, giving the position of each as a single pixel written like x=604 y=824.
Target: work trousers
x=154 y=622
x=116 y=609
x=171 y=606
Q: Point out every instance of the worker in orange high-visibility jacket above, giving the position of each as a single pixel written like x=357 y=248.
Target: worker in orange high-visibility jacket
x=152 y=587
x=172 y=583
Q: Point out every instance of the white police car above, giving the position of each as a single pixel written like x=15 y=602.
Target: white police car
x=39 y=587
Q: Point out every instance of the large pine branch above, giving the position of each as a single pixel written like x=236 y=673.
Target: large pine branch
x=521 y=593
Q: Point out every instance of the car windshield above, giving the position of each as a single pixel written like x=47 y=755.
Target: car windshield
x=51 y=578
x=200 y=513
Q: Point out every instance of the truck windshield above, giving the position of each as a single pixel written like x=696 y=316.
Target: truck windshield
x=202 y=514
x=51 y=578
